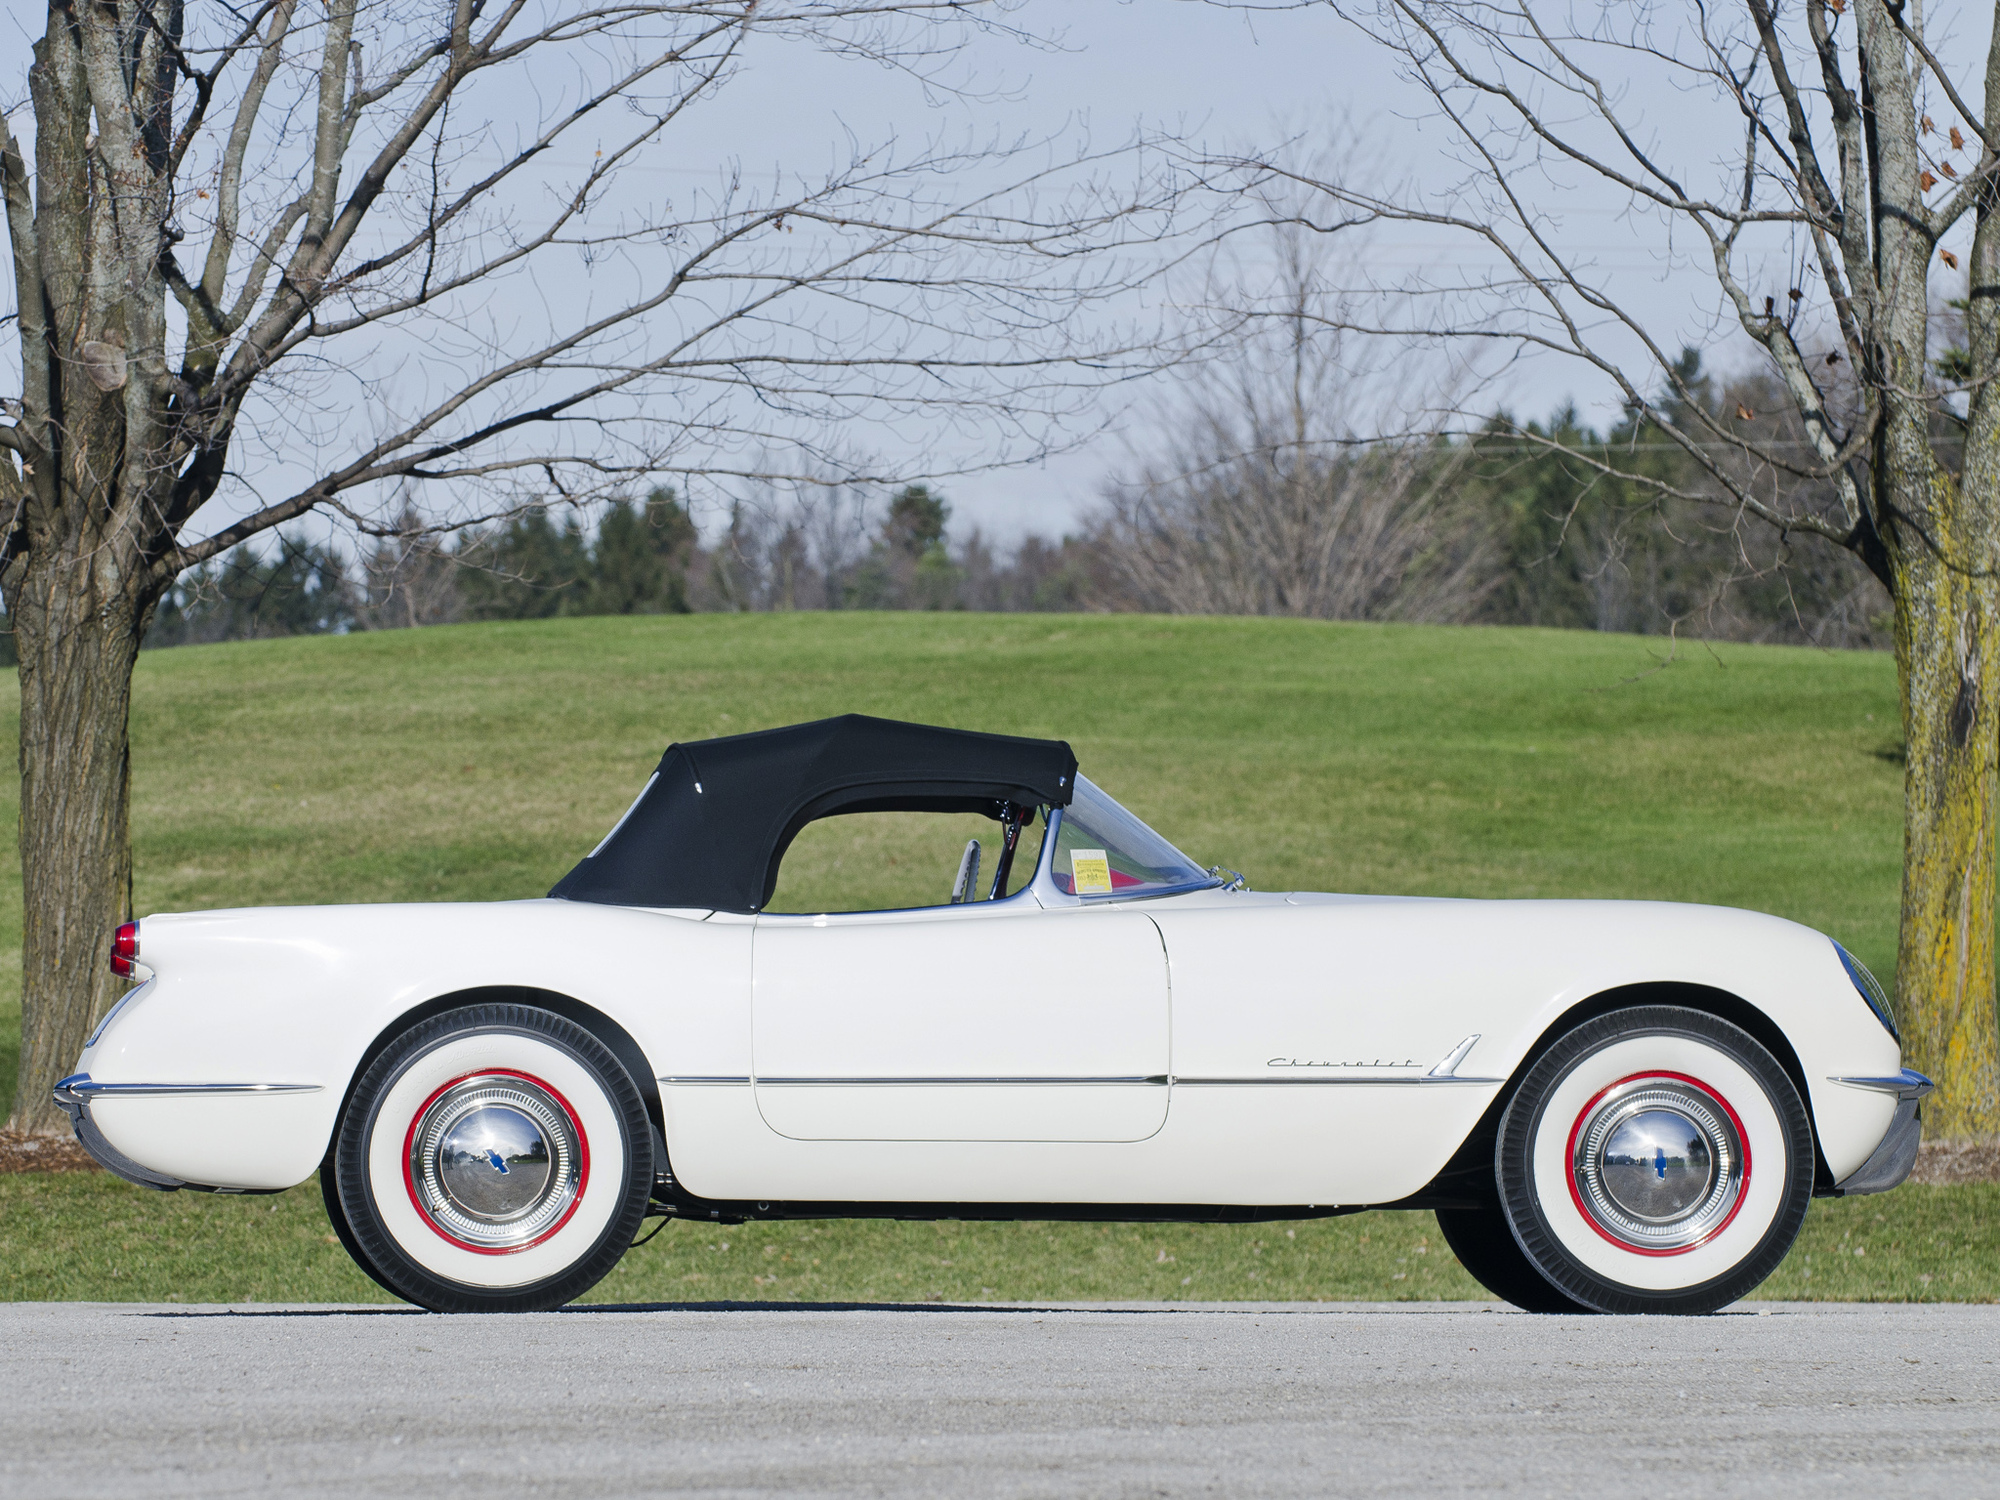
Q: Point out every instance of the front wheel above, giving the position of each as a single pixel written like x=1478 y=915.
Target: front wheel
x=1485 y=1246
x=495 y=1158
x=1655 y=1160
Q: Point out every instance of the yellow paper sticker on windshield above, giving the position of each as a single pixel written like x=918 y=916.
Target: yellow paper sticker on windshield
x=1090 y=872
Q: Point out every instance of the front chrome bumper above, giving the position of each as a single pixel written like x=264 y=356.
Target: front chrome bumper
x=1891 y=1161
x=73 y=1097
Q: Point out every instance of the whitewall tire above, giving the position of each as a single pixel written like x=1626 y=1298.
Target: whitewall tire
x=496 y=1158
x=1655 y=1159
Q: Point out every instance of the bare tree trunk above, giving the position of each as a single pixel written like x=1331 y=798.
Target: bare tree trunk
x=1945 y=621
x=1942 y=537
x=77 y=646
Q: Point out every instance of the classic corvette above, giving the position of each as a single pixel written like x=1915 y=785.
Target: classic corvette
x=1611 y=1106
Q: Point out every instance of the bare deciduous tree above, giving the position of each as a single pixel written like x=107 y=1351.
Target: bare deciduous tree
x=409 y=576
x=1295 y=478
x=284 y=257
x=1859 y=149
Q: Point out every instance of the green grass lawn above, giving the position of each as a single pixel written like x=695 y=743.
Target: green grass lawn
x=478 y=763
x=85 y=1235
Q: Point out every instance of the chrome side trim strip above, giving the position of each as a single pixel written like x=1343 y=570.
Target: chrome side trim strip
x=1447 y=1065
x=118 y=1005
x=1424 y=1079
x=85 y=1088
x=1156 y=1080
x=1908 y=1084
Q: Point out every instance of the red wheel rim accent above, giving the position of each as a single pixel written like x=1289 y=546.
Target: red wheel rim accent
x=582 y=1161
x=1576 y=1197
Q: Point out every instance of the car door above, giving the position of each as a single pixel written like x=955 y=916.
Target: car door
x=990 y=1022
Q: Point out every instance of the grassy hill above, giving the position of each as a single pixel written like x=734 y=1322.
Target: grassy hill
x=478 y=762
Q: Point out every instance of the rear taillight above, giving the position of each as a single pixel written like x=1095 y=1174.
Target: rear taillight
x=125 y=949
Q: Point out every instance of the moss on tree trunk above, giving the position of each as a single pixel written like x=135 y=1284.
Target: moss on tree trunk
x=1946 y=653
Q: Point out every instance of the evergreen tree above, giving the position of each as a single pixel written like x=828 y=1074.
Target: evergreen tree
x=916 y=521
x=936 y=582
x=302 y=589
x=909 y=566
x=525 y=570
x=640 y=559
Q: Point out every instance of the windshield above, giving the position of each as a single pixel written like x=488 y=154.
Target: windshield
x=1102 y=850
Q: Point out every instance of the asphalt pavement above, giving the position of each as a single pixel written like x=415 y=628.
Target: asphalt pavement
x=1334 y=1399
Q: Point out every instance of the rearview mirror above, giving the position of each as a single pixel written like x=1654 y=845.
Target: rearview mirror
x=966 y=887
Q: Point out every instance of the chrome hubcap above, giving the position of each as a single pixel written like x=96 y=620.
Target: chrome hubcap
x=1658 y=1164
x=495 y=1161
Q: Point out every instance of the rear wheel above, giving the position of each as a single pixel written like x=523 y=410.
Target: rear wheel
x=496 y=1158
x=1656 y=1159
x=329 y=1192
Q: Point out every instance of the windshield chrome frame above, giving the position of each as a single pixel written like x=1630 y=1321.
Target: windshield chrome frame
x=1049 y=894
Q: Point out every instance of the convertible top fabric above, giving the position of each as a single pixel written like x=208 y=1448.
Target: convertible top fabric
x=718 y=815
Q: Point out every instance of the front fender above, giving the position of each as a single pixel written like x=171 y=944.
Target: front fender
x=1351 y=987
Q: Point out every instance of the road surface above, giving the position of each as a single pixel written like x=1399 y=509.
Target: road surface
x=1466 y=1399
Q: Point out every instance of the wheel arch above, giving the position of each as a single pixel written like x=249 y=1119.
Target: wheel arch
x=620 y=1042
x=1461 y=1177
x=1716 y=1002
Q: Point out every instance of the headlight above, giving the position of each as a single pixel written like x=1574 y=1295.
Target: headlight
x=1871 y=991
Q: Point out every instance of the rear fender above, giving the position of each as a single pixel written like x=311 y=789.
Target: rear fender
x=307 y=996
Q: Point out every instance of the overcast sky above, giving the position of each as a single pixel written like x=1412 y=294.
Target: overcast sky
x=1227 y=79
x=1221 y=78
x=1224 y=79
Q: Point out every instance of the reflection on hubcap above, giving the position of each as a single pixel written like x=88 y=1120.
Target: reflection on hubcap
x=496 y=1160
x=1657 y=1163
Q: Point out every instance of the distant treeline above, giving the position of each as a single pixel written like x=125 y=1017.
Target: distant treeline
x=1260 y=506
x=1520 y=524
x=640 y=557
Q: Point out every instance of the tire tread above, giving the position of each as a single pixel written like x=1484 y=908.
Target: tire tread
x=1515 y=1144
x=373 y=1246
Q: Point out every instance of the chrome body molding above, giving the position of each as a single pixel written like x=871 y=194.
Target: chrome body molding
x=117 y=1006
x=82 y=1086
x=1150 y=1081
x=1448 y=1065
x=1444 y=1070
x=74 y=1095
x=1158 y=1080
x=1380 y=1081
x=1908 y=1084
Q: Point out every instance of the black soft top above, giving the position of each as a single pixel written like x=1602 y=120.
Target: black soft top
x=718 y=815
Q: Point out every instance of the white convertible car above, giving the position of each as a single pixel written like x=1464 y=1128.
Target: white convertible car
x=1612 y=1106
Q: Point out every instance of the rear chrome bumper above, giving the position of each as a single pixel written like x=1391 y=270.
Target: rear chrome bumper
x=73 y=1097
x=1891 y=1161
